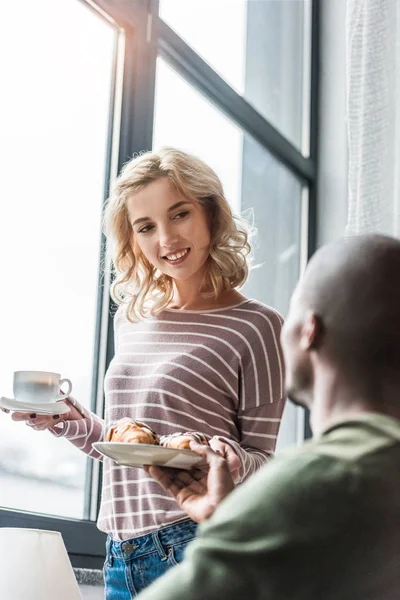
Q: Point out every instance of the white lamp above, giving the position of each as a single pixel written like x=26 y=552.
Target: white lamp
x=34 y=565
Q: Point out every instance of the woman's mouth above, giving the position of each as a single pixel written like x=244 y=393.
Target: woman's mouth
x=176 y=258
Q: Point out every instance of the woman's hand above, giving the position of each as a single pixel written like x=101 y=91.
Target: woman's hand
x=227 y=452
x=42 y=422
x=199 y=491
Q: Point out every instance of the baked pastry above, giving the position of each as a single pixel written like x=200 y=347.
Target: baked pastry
x=182 y=440
x=131 y=431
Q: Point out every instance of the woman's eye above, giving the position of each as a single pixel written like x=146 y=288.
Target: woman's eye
x=145 y=229
x=181 y=215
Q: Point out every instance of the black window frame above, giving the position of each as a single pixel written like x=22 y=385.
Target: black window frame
x=146 y=36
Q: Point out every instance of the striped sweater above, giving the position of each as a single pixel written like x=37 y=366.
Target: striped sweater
x=217 y=371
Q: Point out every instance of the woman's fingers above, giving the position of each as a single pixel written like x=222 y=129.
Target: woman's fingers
x=38 y=422
x=38 y=425
x=22 y=416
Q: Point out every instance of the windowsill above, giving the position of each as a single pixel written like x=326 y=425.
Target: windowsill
x=89 y=577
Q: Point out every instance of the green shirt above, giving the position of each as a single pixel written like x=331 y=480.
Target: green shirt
x=321 y=522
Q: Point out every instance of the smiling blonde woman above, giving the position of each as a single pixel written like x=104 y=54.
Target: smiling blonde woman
x=191 y=354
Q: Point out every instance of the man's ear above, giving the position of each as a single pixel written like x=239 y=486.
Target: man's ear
x=311 y=331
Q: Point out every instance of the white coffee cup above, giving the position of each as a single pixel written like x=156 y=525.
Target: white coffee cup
x=39 y=387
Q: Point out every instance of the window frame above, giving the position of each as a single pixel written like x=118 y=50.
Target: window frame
x=142 y=36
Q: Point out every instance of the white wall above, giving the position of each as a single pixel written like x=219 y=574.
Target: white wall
x=332 y=167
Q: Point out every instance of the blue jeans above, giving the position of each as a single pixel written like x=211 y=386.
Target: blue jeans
x=133 y=564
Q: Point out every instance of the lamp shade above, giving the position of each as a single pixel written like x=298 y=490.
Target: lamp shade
x=34 y=565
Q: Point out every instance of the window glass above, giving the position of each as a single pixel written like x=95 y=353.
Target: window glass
x=56 y=63
x=261 y=48
x=184 y=118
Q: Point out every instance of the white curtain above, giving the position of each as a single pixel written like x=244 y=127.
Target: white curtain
x=373 y=112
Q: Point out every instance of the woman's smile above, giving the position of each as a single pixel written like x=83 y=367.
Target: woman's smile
x=177 y=257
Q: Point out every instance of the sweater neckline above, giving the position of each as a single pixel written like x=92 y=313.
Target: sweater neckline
x=205 y=310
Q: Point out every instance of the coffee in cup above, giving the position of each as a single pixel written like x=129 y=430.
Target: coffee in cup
x=39 y=387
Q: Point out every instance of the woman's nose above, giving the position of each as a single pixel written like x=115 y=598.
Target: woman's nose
x=167 y=237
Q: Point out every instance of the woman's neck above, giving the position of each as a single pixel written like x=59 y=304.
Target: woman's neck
x=193 y=300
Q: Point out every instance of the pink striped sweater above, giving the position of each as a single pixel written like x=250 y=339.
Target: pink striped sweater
x=218 y=371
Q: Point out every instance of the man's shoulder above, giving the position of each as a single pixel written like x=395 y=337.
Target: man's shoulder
x=289 y=481
x=307 y=466
x=300 y=485
x=339 y=456
x=321 y=482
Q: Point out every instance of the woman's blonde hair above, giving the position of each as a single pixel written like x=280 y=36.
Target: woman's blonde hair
x=137 y=283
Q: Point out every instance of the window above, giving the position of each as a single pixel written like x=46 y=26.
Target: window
x=261 y=49
x=184 y=118
x=91 y=83
x=53 y=151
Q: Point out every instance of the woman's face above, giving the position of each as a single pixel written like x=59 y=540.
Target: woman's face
x=171 y=231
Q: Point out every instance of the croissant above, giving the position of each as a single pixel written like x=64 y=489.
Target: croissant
x=182 y=440
x=131 y=431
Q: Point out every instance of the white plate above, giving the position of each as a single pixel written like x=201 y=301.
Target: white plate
x=46 y=408
x=138 y=455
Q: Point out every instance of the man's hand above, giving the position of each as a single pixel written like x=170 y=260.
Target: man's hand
x=199 y=491
x=226 y=451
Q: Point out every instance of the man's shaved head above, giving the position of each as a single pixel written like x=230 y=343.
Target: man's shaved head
x=352 y=286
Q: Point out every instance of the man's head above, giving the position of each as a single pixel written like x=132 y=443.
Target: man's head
x=344 y=319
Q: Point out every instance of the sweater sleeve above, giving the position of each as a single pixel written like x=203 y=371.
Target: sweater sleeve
x=259 y=431
x=261 y=393
x=83 y=432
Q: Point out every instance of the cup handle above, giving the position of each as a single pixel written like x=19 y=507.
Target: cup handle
x=66 y=394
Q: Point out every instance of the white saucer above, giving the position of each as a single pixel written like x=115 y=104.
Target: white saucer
x=138 y=455
x=47 y=408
